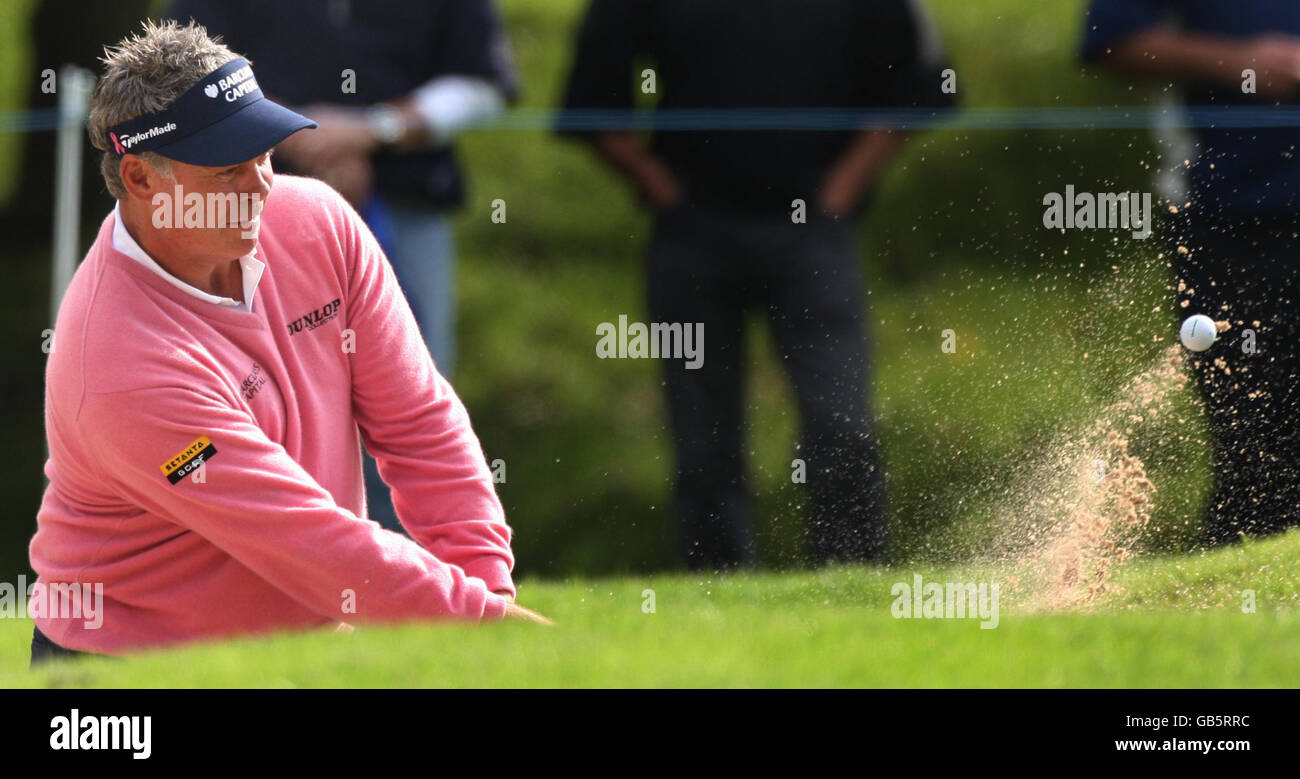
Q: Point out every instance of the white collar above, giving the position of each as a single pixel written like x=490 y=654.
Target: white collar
x=252 y=268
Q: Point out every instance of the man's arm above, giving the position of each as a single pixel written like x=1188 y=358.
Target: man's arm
x=1167 y=52
x=255 y=502
x=907 y=72
x=471 y=79
x=1140 y=37
x=442 y=108
x=609 y=41
x=627 y=153
x=430 y=116
x=473 y=74
x=411 y=420
x=857 y=168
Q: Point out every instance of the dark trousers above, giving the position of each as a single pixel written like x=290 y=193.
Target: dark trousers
x=712 y=267
x=1247 y=271
x=43 y=649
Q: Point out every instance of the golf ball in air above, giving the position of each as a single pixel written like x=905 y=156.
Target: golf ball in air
x=1198 y=332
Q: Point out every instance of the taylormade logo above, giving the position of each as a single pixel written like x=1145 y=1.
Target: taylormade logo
x=153 y=132
x=102 y=732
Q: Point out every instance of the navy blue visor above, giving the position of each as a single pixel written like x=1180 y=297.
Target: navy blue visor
x=222 y=120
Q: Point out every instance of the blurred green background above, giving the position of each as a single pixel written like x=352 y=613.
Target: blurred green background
x=954 y=240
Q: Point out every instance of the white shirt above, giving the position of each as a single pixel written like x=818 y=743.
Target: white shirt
x=251 y=266
x=449 y=104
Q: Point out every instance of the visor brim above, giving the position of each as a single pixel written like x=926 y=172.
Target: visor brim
x=244 y=135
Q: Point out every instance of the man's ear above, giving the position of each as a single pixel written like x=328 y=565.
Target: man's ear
x=139 y=178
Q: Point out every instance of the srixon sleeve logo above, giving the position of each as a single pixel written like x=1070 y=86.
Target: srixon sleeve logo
x=188 y=459
x=316 y=318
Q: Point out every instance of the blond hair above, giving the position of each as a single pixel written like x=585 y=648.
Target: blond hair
x=143 y=74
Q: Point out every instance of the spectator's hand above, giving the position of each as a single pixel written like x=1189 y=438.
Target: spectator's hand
x=352 y=176
x=294 y=151
x=342 y=132
x=654 y=181
x=856 y=171
x=517 y=612
x=839 y=195
x=836 y=199
x=1276 y=61
x=657 y=186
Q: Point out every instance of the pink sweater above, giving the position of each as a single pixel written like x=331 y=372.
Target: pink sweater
x=205 y=462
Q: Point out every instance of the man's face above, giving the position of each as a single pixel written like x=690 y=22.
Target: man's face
x=235 y=192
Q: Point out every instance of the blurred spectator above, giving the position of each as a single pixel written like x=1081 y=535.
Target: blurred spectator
x=729 y=237
x=1234 y=246
x=390 y=83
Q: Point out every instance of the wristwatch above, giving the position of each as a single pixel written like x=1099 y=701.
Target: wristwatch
x=387 y=124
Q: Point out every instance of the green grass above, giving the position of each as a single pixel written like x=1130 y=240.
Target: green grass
x=1172 y=622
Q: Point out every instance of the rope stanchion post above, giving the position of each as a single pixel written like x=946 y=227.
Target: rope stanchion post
x=74 y=87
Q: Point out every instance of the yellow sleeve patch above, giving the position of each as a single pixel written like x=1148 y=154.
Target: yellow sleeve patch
x=188 y=459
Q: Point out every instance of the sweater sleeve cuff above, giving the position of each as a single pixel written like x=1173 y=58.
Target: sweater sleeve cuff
x=494 y=607
x=494 y=572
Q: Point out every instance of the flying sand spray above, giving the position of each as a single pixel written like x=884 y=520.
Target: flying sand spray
x=1092 y=499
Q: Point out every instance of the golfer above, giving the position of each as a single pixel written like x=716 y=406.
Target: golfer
x=211 y=380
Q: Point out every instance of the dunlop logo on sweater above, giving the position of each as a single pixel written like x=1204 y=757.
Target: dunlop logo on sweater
x=316 y=318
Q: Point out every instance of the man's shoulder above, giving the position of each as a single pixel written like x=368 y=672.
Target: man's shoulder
x=106 y=336
x=305 y=222
x=298 y=198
